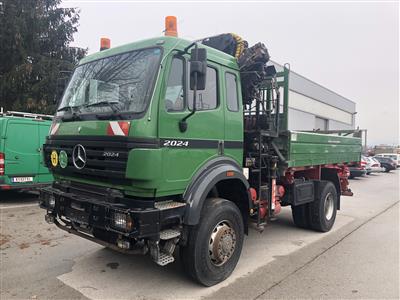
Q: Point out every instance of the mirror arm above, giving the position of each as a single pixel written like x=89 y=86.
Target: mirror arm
x=185 y=50
x=182 y=123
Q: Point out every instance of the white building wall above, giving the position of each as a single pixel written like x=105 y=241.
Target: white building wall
x=299 y=120
x=308 y=100
x=303 y=103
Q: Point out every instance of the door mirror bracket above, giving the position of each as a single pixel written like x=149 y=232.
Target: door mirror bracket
x=198 y=72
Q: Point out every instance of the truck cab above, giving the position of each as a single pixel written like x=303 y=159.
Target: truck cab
x=155 y=145
x=125 y=104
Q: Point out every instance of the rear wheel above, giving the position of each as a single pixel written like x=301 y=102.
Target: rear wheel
x=214 y=245
x=323 y=209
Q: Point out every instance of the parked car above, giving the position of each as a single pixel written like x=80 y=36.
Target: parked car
x=374 y=165
x=367 y=164
x=21 y=161
x=358 y=169
x=386 y=163
x=394 y=156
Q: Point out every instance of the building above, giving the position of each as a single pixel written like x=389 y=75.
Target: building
x=313 y=107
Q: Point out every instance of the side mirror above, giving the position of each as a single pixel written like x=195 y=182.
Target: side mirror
x=61 y=84
x=60 y=87
x=198 y=69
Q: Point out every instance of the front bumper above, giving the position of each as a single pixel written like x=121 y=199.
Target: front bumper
x=24 y=186
x=94 y=218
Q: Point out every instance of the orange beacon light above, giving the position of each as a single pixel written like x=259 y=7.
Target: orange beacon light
x=105 y=43
x=171 y=28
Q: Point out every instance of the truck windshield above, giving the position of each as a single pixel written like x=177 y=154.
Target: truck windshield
x=119 y=83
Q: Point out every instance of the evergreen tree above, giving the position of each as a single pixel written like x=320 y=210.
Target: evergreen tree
x=35 y=52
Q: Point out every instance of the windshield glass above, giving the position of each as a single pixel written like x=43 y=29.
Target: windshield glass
x=119 y=83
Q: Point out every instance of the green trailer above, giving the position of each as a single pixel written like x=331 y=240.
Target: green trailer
x=21 y=161
x=167 y=143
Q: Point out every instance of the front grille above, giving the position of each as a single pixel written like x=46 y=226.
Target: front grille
x=105 y=158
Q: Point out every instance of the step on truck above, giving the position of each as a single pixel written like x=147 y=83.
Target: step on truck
x=167 y=143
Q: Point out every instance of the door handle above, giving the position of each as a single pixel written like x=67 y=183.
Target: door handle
x=39 y=149
x=16 y=157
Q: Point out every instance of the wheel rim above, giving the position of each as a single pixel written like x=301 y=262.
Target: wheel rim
x=329 y=205
x=222 y=243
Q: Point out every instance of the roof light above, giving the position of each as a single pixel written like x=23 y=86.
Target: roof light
x=171 y=29
x=105 y=43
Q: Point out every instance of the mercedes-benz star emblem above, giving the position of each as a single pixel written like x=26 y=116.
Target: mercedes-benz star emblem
x=79 y=156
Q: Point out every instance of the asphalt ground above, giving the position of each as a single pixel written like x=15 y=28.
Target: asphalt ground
x=358 y=258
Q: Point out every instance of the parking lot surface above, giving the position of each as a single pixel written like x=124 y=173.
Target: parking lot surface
x=40 y=261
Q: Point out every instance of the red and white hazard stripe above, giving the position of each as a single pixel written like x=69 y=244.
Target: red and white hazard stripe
x=54 y=127
x=118 y=128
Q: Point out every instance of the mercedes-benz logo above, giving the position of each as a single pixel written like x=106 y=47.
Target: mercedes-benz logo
x=79 y=156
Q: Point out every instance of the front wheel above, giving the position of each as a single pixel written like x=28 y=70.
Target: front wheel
x=214 y=245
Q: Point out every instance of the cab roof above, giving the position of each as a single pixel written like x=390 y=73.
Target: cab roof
x=168 y=44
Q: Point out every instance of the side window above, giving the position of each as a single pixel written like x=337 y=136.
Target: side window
x=174 y=94
x=231 y=92
x=206 y=99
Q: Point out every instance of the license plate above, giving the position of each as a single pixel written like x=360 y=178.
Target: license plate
x=22 y=179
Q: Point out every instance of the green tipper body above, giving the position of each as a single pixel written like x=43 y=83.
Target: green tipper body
x=21 y=141
x=163 y=171
x=310 y=149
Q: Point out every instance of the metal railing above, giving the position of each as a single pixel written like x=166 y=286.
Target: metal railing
x=25 y=115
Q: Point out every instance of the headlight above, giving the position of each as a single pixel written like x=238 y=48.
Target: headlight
x=122 y=221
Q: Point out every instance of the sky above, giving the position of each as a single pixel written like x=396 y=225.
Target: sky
x=349 y=47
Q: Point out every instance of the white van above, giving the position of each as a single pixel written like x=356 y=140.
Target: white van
x=394 y=156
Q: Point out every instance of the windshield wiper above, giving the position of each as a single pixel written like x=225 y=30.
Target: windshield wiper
x=71 y=108
x=110 y=104
x=73 y=116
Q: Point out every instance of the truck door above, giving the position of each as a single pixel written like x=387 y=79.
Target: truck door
x=233 y=116
x=21 y=150
x=184 y=152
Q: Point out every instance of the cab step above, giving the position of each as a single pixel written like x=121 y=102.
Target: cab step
x=168 y=234
x=164 y=259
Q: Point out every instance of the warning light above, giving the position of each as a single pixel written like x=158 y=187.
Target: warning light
x=105 y=43
x=171 y=29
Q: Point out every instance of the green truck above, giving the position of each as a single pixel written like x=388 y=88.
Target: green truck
x=167 y=142
x=21 y=161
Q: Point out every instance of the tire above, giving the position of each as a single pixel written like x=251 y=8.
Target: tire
x=219 y=218
x=387 y=170
x=323 y=209
x=301 y=216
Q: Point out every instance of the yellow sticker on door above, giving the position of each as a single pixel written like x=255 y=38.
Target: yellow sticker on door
x=54 y=158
